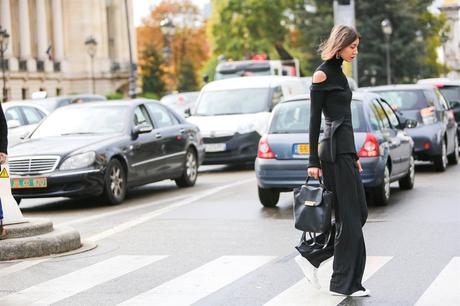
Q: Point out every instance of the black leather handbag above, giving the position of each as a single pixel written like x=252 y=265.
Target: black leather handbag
x=313 y=208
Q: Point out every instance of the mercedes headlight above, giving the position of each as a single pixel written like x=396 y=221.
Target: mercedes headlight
x=79 y=161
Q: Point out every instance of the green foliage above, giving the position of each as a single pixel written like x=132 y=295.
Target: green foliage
x=240 y=29
x=114 y=96
x=153 y=72
x=187 y=77
x=150 y=95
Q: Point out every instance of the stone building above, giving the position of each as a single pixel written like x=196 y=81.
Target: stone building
x=451 y=42
x=47 y=52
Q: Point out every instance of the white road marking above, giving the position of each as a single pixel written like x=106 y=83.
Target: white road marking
x=20 y=266
x=72 y=283
x=197 y=284
x=445 y=289
x=121 y=211
x=146 y=217
x=303 y=294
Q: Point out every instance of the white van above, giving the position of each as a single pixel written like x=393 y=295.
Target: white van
x=232 y=114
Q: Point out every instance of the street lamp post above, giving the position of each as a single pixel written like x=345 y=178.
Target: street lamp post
x=167 y=28
x=4 y=37
x=91 y=46
x=132 y=76
x=444 y=39
x=387 y=31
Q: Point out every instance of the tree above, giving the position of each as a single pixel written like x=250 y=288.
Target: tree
x=188 y=41
x=187 y=77
x=153 y=72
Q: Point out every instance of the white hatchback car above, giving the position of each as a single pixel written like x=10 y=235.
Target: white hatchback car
x=21 y=118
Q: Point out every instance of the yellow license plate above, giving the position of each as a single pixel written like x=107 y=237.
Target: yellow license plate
x=302 y=149
x=22 y=183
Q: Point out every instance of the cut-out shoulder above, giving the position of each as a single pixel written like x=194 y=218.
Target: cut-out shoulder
x=319 y=77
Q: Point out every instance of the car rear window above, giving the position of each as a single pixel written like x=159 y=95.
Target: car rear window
x=294 y=117
x=451 y=93
x=406 y=99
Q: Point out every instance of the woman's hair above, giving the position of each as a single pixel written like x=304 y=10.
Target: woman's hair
x=341 y=36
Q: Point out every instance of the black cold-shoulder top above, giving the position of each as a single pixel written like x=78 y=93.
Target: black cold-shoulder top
x=331 y=97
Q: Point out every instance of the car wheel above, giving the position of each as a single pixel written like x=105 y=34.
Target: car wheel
x=453 y=158
x=440 y=162
x=18 y=200
x=382 y=192
x=407 y=182
x=268 y=197
x=114 y=183
x=190 y=173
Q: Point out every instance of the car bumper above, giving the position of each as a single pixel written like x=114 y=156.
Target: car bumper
x=239 y=148
x=426 y=135
x=290 y=174
x=70 y=184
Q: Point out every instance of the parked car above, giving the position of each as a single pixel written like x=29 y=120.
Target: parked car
x=382 y=144
x=232 y=114
x=451 y=92
x=351 y=82
x=21 y=118
x=52 y=103
x=181 y=102
x=102 y=149
x=436 y=134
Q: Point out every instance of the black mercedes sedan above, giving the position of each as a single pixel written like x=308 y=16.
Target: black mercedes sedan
x=102 y=149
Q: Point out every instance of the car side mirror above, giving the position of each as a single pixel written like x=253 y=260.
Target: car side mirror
x=142 y=129
x=13 y=123
x=206 y=78
x=187 y=112
x=454 y=104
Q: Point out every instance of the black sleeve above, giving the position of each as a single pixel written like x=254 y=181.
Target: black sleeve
x=317 y=98
x=3 y=132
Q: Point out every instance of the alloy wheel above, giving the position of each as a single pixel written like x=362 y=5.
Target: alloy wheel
x=116 y=182
x=412 y=169
x=386 y=182
x=191 y=166
x=444 y=155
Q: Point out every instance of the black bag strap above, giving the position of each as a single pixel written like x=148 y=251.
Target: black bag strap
x=303 y=238
x=319 y=179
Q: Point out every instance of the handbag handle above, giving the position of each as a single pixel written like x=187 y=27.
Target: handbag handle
x=319 y=178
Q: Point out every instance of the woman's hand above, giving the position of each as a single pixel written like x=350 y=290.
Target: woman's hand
x=358 y=165
x=3 y=158
x=314 y=172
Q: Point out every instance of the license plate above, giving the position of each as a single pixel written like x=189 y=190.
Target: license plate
x=21 y=183
x=301 y=149
x=215 y=147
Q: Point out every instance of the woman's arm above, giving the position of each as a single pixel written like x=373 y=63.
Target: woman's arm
x=3 y=133
x=317 y=98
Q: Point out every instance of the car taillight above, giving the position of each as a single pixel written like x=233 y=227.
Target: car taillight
x=370 y=147
x=428 y=115
x=264 y=149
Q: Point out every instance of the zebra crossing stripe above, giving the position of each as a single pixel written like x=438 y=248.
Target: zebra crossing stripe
x=197 y=284
x=20 y=266
x=303 y=294
x=70 y=284
x=445 y=289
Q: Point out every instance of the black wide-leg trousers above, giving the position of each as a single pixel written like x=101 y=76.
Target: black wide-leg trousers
x=350 y=210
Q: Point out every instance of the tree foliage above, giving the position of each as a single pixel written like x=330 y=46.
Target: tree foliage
x=188 y=41
x=153 y=72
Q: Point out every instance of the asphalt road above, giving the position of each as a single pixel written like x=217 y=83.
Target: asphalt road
x=214 y=244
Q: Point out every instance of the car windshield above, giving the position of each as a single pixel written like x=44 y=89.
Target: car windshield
x=180 y=100
x=294 y=117
x=451 y=93
x=405 y=99
x=233 y=101
x=83 y=120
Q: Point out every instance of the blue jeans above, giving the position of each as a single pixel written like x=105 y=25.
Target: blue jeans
x=1 y=210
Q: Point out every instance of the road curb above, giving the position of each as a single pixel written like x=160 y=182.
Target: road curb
x=35 y=239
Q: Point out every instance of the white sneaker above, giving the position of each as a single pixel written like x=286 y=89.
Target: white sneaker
x=359 y=293
x=308 y=270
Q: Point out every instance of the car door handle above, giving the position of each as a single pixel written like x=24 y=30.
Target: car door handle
x=158 y=135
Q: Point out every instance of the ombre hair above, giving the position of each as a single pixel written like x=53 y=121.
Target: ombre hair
x=341 y=37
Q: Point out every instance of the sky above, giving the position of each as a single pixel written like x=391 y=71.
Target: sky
x=142 y=8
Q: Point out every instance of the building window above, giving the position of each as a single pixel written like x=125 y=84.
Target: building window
x=22 y=65
x=6 y=64
x=58 y=91
x=57 y=66
x=24 y=93
x=40 y=66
